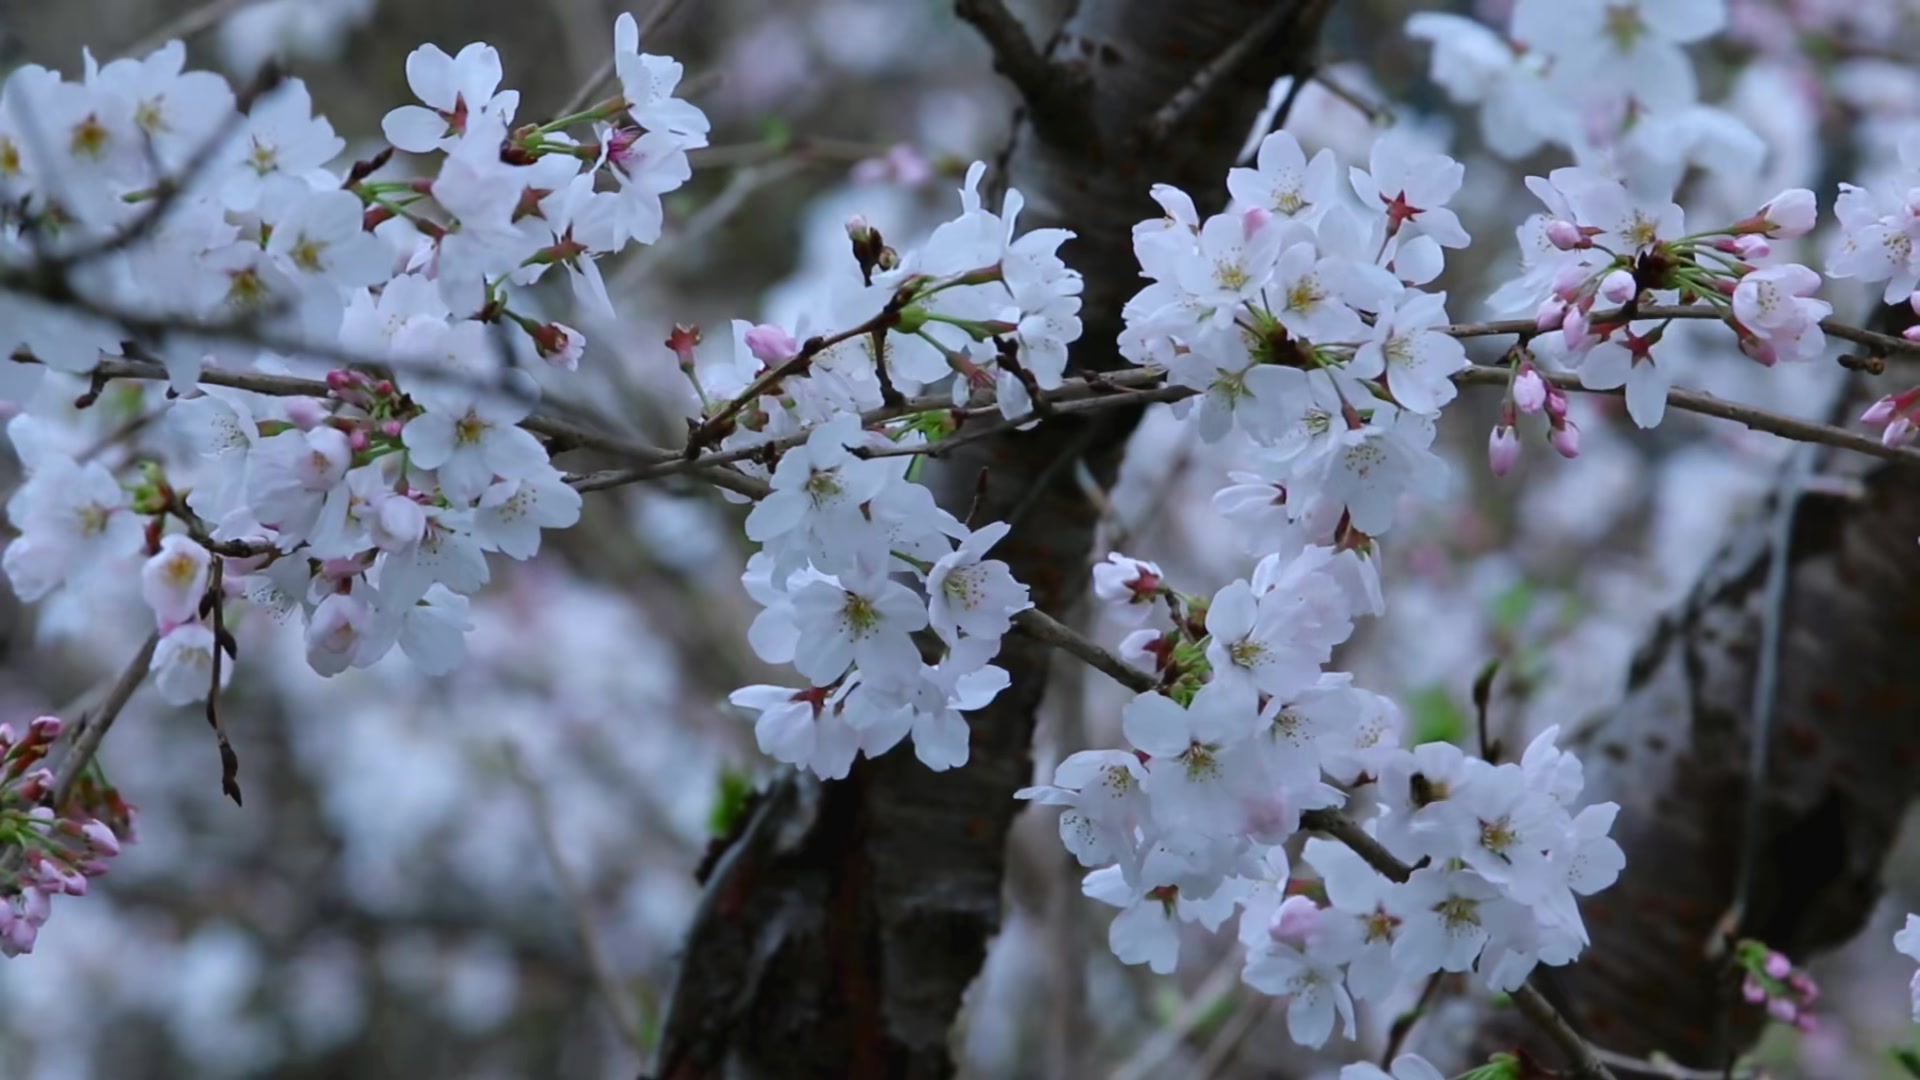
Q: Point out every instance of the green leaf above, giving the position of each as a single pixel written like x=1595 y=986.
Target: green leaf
x=1436 y=716
x=730 y=800
x=1511 y=606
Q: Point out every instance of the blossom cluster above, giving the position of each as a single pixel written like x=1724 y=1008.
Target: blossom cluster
x=48 y=854
x=1244 y=733
x=367 y=506
x=977 y=306
x=1600 y=242
x=1297 y=315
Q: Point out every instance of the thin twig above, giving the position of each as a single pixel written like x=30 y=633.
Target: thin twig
x=619 y=1004
x=1251 y=40
x=1375 y=112
x=1049 y=91
x=1404 y=1024
x=1227 y=1040
x=1705 y=404
x=1669 y=1069
x=187 y=24
x=1044 y=628
x=93 y=726
x=1159 y=1046
x=604 y=72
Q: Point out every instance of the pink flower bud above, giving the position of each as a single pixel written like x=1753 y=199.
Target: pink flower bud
x=1758 y=350
x=357 y=439
x=1618 y=287
x=7 y=736
x=1529 y=390
x=1752 y=247
x=1569 y=280
x=1911 y=333
x=1806 y=1023
x=1557 y=402
x=559 y=345
x=1552 y=312
x=1881 y=411
x=35 y=785
x=1751 y=989
x=857 y=227
x=1296 y=920
x=1503 y=450
x=1566 y=236
x=1566 y=439
x=1777 y=966
x=305 y=412
x=44 y=729
x=771 y=344
x=392 y=428
x=1790 y=214
x=1255 y=219
x=99 y=837
x=1898 y=433
x=1782 y=1010
x=1804 y=985
x=17 y=938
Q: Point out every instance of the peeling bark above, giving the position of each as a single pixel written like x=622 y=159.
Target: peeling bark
x=841 y=928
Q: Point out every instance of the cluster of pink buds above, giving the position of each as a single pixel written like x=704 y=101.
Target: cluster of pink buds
x=42 y=854
x=1531 y=393
x=1894 y=415
x=1771 y=980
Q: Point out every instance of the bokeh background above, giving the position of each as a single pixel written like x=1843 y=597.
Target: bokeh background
x=387 y=904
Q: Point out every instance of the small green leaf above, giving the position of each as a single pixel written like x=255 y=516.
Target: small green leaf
x=1511 y=606
x=1436 y=717
x=734 y=791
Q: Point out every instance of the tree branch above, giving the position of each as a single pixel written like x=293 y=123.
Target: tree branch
x=1053 y=95
x=93 y=726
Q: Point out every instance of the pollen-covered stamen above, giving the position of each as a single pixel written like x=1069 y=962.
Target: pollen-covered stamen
x=90 y=138
x=859 y=616
x=470 y=429
x=824 y=485
x=1202 y=762
x=1498 y=836
x=1379 y=925
x=1459 y=913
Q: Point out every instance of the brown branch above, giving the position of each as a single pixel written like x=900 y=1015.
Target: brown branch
x=1055 y=97
x=1230 y=59
x=601 y=74
x=92 y=727
x=1884 y=344
x=187 y=24
x=1044 y=628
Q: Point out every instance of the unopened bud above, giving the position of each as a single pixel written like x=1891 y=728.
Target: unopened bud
x=682 y=341
x=357 y=440
x=1618 y=287
x=1503 y=450
x=1777 y=966
x=44 y=729
x=305 y=412
x=1566 y=236
x=1529 y=390
x=100 y=838
x=1255 y=219
x=771 y=344
x=858 y=229
x=1552 y=312
x=1565 y=438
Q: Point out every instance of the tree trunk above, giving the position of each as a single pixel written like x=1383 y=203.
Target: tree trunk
x=1844 y=740
x=841 y=927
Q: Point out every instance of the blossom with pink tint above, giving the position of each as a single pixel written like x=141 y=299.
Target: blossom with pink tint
x=1503 y=450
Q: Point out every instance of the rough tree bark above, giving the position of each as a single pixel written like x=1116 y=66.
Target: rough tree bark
x=1844 y=743
x=842 y=925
